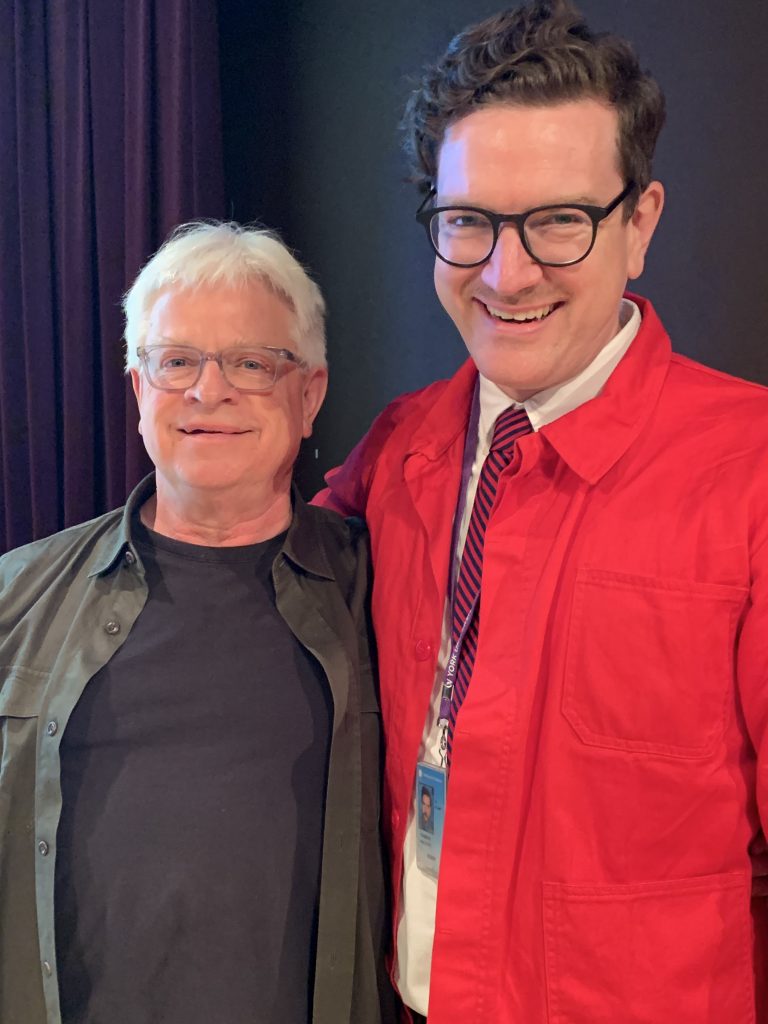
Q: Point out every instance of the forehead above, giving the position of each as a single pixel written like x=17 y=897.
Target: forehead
x=506 y=153
x=221 y=314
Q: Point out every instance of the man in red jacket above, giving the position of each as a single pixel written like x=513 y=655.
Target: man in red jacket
x=570 y=540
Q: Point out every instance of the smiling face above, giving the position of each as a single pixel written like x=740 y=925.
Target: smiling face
x=212 y=439
x=529 y=327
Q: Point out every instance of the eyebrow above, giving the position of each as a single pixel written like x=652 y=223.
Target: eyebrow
x=243 y=343
x=464 y=203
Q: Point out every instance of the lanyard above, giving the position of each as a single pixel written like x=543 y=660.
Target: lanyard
x=449 y=676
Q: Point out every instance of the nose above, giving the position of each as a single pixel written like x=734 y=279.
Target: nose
x=212 y=386
x=510 y=269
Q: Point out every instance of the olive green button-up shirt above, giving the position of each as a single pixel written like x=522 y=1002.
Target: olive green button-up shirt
x=68 y=603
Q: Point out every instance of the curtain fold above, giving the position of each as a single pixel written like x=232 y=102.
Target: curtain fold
x=110 y=118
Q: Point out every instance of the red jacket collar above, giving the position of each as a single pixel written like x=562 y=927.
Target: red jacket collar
x=593 y=437
x=448 y=416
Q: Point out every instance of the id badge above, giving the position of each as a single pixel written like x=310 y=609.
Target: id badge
x=430 y=816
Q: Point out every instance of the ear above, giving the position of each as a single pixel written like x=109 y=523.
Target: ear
x=315 y=386
x=641 y=227
x=137 y=382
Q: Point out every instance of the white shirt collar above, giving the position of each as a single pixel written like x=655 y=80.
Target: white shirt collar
x=554 y=402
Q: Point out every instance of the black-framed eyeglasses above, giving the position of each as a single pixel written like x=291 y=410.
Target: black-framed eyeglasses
x=554 y=236
x=171 y=367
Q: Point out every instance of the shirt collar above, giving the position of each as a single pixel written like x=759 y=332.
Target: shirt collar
x=554 y=402
x=304 y=545
x=117 y=542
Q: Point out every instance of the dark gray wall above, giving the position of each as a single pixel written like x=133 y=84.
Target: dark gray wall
x=313 y=93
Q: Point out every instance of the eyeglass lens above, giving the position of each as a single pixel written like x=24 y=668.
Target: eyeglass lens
x=178 y=367
x=555 y=235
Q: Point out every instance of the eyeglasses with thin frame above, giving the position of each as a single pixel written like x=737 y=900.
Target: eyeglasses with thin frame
x=555 y=236
x=251 y=369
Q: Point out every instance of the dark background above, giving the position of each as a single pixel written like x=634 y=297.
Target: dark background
x=288 y=114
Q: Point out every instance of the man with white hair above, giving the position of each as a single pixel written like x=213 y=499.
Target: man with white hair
x=189 y=725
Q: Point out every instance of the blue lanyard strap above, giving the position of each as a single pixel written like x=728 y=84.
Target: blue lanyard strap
x=449 y=677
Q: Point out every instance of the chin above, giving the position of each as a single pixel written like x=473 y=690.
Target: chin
x=210 y=480
x=518 y=382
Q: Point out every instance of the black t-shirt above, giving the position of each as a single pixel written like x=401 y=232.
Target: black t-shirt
x=193 y=782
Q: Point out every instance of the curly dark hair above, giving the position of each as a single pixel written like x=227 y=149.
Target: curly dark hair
x=537 y=54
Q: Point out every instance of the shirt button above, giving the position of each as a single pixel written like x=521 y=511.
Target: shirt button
x=43 y=848
x=52 y=728
x=422 y=649
x=112 y=627
x=395 y=819
x=47 y=968
x=130 y=558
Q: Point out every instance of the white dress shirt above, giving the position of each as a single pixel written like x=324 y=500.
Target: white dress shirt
x=416 y=925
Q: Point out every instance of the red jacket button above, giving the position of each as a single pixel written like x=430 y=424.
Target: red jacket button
x=423 y=650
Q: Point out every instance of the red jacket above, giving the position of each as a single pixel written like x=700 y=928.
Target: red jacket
x=609 y=782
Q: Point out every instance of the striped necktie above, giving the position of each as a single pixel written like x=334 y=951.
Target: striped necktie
x=510 y=425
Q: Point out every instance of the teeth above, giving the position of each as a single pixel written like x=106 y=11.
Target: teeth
x=521 y=318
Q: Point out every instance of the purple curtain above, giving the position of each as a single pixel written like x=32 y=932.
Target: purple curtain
x=110 y=124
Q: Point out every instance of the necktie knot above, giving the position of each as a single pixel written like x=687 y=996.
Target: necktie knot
x=510 y=425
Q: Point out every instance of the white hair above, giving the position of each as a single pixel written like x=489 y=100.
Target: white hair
x=228 y=254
